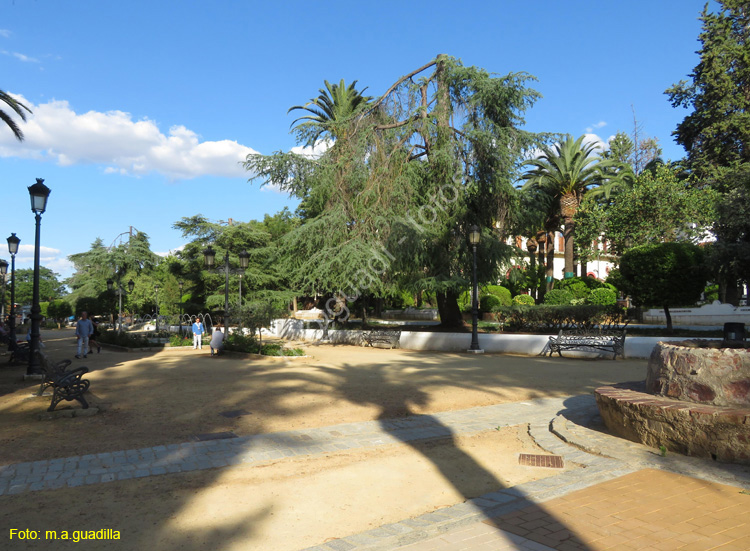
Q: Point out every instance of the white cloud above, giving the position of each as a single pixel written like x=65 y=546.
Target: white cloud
x=48 y=257
x=5 y=33
x=122 y=145
x=600 y=124
x=591 y=138
x=21 y=57
x=314 y=152
x=170 y=252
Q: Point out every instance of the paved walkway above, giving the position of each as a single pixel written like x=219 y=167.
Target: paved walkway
x=625 y=496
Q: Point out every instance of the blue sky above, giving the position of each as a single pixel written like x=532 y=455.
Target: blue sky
x=143 y=109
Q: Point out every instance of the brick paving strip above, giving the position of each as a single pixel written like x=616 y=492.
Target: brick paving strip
x=604 y=458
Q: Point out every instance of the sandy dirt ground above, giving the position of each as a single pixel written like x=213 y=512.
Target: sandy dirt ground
x=153 y=398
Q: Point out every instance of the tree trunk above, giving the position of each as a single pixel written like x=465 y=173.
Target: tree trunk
x=550 y=264
x=450 y=313
x=668 y=315
x=568 y=208
x=531 y=246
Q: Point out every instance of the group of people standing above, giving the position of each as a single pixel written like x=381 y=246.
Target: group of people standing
x=217 y=338
x=87 y=331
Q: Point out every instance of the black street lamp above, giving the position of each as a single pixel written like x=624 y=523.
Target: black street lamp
x=156 y=290
x=474 y=236
x=3 y=273
x=120 y=291
x=39 y=194
x=209 y=255
x=180 y=284
x=13 y=242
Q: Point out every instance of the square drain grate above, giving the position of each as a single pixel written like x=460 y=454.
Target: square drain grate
x=214 y=436
x=536 y=460
x=234 y=413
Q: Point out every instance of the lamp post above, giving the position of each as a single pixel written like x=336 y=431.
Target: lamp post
x=209 y=256
x=474 y=236
x=180 y=284
x=13 y=242
x=120 y=291
x=156 y=290
x=38 y=194
x=3 y=273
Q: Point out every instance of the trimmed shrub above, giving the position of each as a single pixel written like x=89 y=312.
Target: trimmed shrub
x=603 y=296
x=500 y=292
x=551 y=318
x=523 y=299
x=558 y=297
x=490 y=303
x=575 y=286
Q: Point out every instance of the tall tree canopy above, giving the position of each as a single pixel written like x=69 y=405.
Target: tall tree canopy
x=50 y=288
x=565 y=172
x=390 y=203
x=657 y=208
x=717 y=131
x=335 y=104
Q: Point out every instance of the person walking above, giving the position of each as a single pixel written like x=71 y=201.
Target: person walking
x=198 y=334
x=217 y=341
x=84 y=330
x=94 y=339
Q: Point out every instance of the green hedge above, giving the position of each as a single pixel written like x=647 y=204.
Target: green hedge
x=558 y=297
x=552 y=318
x=248 y=344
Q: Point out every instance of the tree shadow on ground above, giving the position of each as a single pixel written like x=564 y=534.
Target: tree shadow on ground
x=397 y=402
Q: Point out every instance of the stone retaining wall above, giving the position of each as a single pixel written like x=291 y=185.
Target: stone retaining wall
x=721 y=433
x=716 y=376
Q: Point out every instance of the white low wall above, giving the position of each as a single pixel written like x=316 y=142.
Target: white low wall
x=708 y=314
x=505 y=343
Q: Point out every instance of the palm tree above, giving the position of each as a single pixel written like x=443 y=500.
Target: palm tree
x=565 y=172
x=18 y=107
x=335 y=104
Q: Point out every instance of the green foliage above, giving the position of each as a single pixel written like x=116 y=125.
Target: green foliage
x=558 y=297
x=716 y=133
x=502 y=293
x=659 y=208
x=125 y=339
x=565 y=172
x=383 y=205
x=404 y=299
x=490 y=303
x=59 y=310
x=552 y=318
x=603 y=296
x=527 y=300
x=711 y=292
x=249 y=345
x=49 y=287
x=90 y=305
x=664 y=274
x=180 y=340
x=330 y=112
x=18 y=108
x=575 y=286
